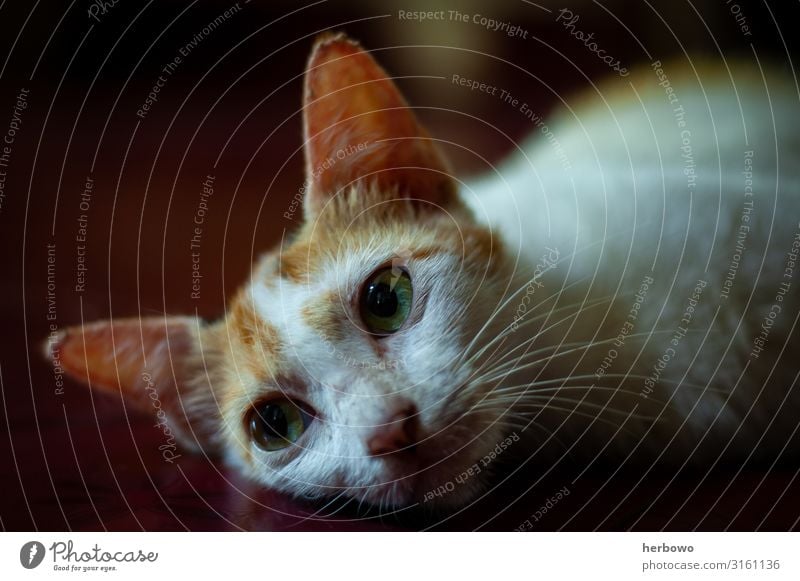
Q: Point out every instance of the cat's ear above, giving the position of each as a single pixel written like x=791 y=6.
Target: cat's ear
x=358 y=127
x=152 y=363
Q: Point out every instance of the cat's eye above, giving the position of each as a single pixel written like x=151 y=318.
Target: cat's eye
x=386 y=300
x=278 y=423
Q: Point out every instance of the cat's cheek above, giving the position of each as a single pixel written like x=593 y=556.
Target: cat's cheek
x=258 y=469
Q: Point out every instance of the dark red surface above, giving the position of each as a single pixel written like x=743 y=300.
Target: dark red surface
x=80 y=474
x=73 y=461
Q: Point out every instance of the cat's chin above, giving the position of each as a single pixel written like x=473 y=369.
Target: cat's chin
x=447 y=474
x=425 y=493
x=444 y=484
x=430 y=494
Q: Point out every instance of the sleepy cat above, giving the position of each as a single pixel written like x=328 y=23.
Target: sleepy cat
x=625 y=283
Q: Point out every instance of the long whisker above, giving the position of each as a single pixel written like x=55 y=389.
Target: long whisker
x=341 y=507
x=533 y=388
x=513 y=364
x=522 y=287
x=503 y=370
x=570 y=411
x=503 y=362
x=318 y=513
x=361 y=502
x=526 y=402
x=538 y=334
x=557 y=380
x=520 y=389
x=504 y=304
x=580 y=306
x=521 y=424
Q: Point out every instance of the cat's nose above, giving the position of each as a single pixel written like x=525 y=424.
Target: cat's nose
x=399 y=432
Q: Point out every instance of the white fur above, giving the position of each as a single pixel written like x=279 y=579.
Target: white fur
x=625 y=206
x=351 y=387
x=621 y=211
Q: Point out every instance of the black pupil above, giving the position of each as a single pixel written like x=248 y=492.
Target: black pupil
x=381 y=300
x=274 y=421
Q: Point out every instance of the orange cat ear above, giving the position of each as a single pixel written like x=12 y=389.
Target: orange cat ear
x=148 y=362
x=358 y=127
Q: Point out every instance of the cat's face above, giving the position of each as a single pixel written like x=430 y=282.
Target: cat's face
x=355 y=331
x=342 y=366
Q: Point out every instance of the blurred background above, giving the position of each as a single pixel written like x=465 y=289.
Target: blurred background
x=229 y=109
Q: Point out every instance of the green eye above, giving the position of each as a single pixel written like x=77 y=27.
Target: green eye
x=277 y=424
x=386 y=301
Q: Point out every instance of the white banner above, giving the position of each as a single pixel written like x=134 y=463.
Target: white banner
x=395 y=556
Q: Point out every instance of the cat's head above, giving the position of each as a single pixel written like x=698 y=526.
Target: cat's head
x=343 y=365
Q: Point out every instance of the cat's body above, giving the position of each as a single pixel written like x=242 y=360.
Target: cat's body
x=656 y=198
x=409 y=332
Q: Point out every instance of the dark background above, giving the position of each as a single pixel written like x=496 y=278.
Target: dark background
x=74 y=461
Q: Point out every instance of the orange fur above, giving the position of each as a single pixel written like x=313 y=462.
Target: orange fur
x=357 y=119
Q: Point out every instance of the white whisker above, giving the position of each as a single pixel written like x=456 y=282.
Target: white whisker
x=580 y=306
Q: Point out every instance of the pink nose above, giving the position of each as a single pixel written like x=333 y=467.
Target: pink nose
x=398 y=433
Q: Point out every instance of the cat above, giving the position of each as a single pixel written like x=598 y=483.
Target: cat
x=625 y=282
